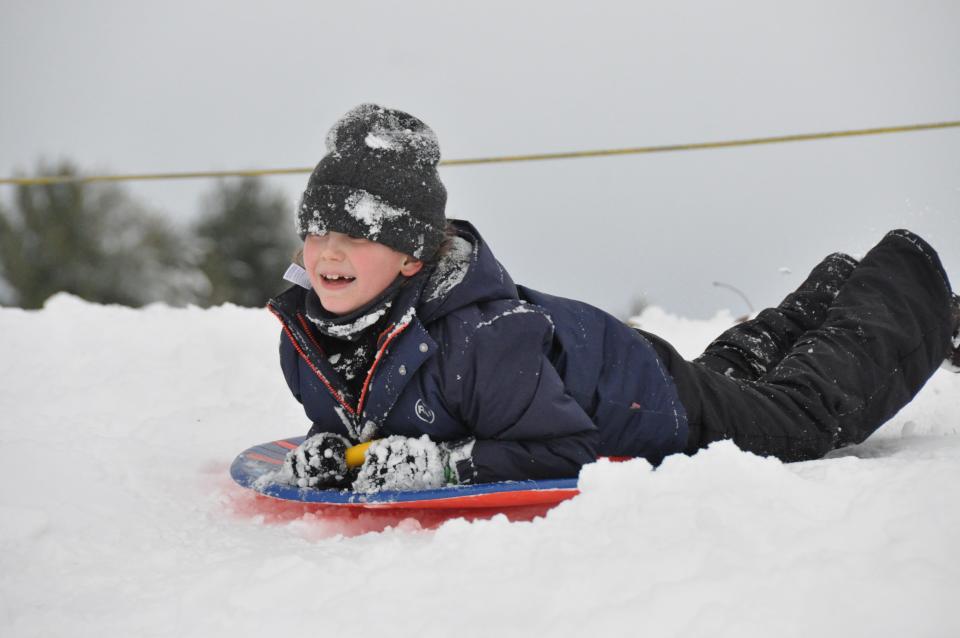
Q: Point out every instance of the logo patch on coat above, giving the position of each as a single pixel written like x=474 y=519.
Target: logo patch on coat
x=424 y=413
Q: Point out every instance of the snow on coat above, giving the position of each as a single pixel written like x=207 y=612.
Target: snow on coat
x=544 y=384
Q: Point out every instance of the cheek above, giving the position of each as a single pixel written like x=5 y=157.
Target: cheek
x=310 y=254
x=375 y=263
x=310 y=258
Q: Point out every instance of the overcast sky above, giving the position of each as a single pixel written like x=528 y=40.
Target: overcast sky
x=176 y=86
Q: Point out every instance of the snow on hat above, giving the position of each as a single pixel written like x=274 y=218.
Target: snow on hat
x=379 y=181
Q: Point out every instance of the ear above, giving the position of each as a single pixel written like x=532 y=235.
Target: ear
x=410 y=266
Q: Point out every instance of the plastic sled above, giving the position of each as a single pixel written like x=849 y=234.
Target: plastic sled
x=251 y=469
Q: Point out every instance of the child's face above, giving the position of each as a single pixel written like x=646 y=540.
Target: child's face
x=349 y=272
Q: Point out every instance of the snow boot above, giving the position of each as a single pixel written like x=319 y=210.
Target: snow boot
x=952 y=361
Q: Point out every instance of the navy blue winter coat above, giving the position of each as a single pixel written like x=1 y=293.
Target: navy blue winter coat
x=544 y=384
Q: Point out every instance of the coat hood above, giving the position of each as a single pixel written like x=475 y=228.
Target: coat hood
x=467 y=274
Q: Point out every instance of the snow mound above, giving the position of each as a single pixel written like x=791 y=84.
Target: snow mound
x=117 y=427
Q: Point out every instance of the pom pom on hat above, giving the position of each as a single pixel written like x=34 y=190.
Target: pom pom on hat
x=375 y=127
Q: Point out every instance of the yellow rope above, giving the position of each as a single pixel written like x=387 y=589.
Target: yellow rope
x=804 y=137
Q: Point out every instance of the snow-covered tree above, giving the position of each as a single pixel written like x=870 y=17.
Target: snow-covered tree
x=91 y=240
x=246 y=239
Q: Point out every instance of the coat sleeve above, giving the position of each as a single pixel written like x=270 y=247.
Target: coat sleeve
x=525 y=423
x=289 y=363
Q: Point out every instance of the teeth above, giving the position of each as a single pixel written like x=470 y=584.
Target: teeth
x=336 y=277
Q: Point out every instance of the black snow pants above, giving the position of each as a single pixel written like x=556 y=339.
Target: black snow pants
x=830 y=364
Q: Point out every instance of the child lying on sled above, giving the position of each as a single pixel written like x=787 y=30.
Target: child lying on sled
x=405 y=330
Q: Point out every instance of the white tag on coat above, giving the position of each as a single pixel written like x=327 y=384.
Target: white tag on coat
x=297 y=275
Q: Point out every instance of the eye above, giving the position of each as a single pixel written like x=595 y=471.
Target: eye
x=358 y=240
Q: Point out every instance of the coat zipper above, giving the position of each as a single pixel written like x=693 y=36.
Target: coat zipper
x=396 y=330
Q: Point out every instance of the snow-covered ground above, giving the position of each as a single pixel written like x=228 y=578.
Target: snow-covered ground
x=117 y=517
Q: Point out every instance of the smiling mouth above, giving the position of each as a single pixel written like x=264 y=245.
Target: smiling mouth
x=336 y=281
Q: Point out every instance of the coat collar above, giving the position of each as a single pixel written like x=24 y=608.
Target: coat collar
x=401 y=349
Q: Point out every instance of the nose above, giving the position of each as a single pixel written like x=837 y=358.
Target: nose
x=331 y=247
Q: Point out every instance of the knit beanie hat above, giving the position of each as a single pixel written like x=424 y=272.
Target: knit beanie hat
x=378 y=181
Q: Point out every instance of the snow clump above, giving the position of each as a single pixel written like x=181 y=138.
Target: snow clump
x=372 y=211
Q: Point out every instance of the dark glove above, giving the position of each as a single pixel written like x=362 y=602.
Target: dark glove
x=402 y=463
x=320 y=461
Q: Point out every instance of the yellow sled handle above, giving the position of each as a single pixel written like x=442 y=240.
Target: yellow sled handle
x=357 y=454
